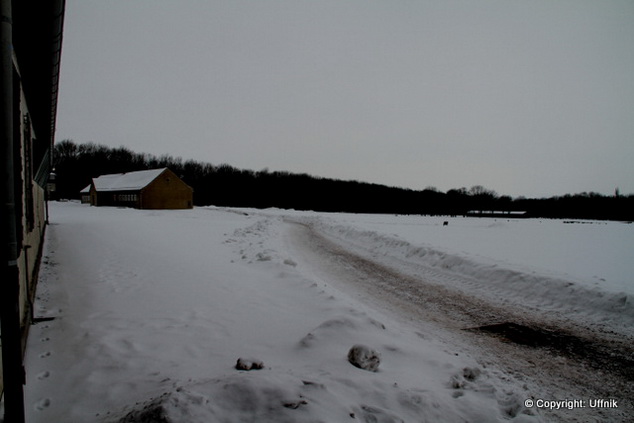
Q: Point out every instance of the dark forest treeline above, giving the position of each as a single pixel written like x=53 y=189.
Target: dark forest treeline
x=224 y=185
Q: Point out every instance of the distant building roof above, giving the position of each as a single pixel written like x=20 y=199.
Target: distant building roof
x=496 y=213
x=130 y=181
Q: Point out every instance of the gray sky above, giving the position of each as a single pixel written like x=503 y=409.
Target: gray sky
x=525 y=97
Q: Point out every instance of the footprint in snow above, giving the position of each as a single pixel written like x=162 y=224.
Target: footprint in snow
x=43 y=404
x=43 y=375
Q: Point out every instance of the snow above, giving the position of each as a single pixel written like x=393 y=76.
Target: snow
x=593 y=253
x=582 y=269
x=126 y=181
x=152 y=310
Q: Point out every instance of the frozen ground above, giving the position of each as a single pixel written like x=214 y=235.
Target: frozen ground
x=153 y=308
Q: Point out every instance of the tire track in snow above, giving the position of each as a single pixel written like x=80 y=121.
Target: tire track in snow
x=596 y=365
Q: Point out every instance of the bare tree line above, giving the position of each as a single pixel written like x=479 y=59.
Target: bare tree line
x=225 y=185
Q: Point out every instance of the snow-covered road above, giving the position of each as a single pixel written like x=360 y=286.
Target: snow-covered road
x=153 y=308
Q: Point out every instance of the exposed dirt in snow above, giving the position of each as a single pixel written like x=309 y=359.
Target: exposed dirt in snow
x=558 y=358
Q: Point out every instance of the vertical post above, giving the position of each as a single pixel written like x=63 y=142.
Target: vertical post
x=12 y=366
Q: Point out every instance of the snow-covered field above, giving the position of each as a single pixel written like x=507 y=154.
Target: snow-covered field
x=152 y=309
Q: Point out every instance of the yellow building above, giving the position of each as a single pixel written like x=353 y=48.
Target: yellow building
x=144 y=189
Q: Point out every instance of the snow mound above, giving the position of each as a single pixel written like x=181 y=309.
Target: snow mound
x=339 y=329
x=325 y=388
x=236 y=398
x=269 y=396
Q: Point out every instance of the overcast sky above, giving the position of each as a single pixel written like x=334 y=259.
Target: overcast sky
x=525 y=97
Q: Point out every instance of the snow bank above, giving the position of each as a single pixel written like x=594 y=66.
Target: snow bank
x=480 y=275
x=270 y=398
x=592 y=253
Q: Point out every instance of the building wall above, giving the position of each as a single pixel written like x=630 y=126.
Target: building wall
x=93 y=196
x=31 y=209
x=30 y=45
x=115 y=198
x=30 y=254
x=167 y=191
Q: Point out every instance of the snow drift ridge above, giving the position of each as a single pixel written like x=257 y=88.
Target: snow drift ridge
x=489 y=280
